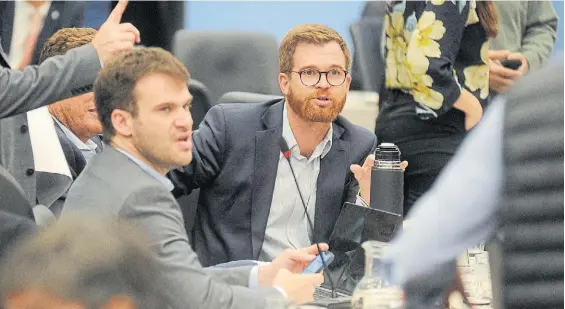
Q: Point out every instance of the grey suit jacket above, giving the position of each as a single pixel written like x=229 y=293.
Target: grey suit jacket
x=112 y=185
x=55 y=79
x=62 y=14
x=76 y=161
x=235 y=159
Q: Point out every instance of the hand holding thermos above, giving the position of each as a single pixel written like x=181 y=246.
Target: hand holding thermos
x=381 y=179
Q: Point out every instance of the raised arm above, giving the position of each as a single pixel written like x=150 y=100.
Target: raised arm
x=55 y=79
x=67 y=75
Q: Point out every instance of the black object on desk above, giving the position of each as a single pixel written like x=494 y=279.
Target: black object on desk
x=355 y=225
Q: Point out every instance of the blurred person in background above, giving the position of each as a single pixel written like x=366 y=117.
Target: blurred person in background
x=143 y=102
x=76 y=121
x=504 y=186
x=527 y=32
x=436 y=82
x=26 y=25
x=55 y=79
x=81 y=263
x=156 y=20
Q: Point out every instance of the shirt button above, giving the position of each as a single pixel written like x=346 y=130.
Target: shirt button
x=24 y=129
x=30 y=171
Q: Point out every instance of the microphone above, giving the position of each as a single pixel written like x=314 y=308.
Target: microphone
x=286 y=153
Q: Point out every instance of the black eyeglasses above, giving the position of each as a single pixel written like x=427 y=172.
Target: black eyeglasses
x=311 y=77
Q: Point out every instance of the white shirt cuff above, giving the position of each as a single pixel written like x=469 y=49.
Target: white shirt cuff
x=254 y=277
x=282 y=291
x=254 y=274
x=361 y=202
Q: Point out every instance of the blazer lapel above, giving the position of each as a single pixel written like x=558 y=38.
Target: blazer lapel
x=330 y=185
x=267 y=154
x=51 y=24
x=3 y=58
x=7 y=10
x=75 y=158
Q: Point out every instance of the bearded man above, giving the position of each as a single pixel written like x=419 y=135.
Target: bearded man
x=249 y=205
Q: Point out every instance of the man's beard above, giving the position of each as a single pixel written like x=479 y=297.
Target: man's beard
x=307 y=111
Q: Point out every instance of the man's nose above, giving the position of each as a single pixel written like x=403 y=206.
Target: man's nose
x=323 y=83
x=184 y=120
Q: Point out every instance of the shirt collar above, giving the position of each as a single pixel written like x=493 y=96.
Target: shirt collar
x=160 y=178
x=321 y=150
x=88 y=146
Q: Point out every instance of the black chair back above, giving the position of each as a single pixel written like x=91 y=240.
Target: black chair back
x=201 y=102
x=368 y=68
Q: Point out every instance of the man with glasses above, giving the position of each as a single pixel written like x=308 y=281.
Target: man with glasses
x=249 y=205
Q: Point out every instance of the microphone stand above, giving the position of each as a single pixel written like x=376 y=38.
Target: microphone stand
x=286 y=153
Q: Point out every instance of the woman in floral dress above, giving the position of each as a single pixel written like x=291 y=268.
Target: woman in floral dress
x=436 y=82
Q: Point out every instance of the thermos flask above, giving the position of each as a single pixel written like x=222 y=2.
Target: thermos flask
x=387 y=180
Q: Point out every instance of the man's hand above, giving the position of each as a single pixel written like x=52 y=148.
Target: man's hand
x=293 y=260
x=298 y=288
x=113 y=37
x=363 y=176
x=501 y=78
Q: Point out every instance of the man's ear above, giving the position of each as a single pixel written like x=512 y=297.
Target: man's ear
x=284 y=83
x=122 y=122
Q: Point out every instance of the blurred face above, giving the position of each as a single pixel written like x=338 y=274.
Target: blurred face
x=321 y=102
x=79 y=115
x=39 y=299
x=161 y=132
x=36 y=298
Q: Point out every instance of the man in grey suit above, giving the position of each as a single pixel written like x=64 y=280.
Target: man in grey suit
x=55 y=79
x=76 y=121
x=143 y=103
x=249 y=206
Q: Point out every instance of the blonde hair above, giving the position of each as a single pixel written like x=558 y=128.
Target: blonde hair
x=309 y=34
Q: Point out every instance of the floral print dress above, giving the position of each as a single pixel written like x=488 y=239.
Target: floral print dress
x=433 y=48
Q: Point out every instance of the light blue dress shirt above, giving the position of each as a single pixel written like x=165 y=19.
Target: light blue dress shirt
x=459 y=210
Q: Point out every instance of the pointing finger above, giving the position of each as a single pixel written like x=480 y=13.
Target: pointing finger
x=116 y=15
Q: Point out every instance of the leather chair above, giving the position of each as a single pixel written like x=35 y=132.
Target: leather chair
x=246 y=97
x=201 y=102
x=229 y=60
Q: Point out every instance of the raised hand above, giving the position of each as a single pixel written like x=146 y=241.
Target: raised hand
x=114 y=37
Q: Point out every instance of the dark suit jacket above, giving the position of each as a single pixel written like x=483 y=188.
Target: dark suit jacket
x=157 y=21
x=75 y=160
x=235 y=160
x=12 y=228
x=73 y=155
x=62 y=14
x=22 y=91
